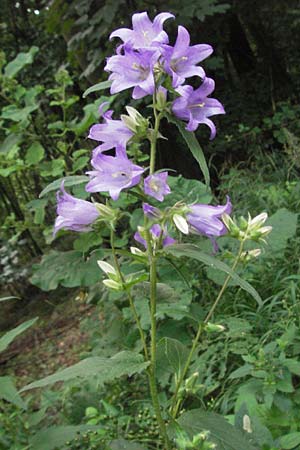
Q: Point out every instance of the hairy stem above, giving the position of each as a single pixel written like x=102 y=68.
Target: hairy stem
x=177 y=402
x=131 y=302
x=157 y=118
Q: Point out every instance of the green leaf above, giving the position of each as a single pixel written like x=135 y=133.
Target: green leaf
x=38 y=207
x=290 y=441
x=224 y=435
x=293 y=365
x=20 y=61
x=192 y=251
x=191 y=191
x=69 y=269
x=86 y=241
x=241 y=372
x=97 y=87
x=55 y=437
x=12 y=112
x=35 y=153
x=176 y=354
x=8 y=337
x=106 y=369
x=9 y=392
x=121 y=444
x=11 y=141
x=69 y=181
x=193 y=145
x=284 y=225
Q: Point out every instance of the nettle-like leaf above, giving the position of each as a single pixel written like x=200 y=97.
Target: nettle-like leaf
x=176 y=353
x=290 y=441
x=190 y=191
x=35 y=153
x=106 y=369
x=193 y=146
x=192 y=251
x=8 y=337
x=97 y=87
x=55 y=437
x=9 y=392
x=224 y=435
x=69 y=269
x=20 y=61
x=284 y=223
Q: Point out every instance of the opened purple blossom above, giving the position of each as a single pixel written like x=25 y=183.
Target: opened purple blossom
x=73 y=213
x=112 y=133
x=156 y=185
x=144 y=33
x=195 y=107
x=113 y=173
x=133 y=69
x=180 y=60
x=206 y=219
x=156 y=232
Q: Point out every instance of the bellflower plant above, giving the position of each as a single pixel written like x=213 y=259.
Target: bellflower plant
x=146 y=61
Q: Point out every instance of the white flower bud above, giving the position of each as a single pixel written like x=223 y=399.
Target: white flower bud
x=258 y=221
x=247 y=424
x=111 y=284
x=181 y=223
x=106 y=267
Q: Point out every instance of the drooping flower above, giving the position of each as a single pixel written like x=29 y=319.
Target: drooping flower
x=112 y=133
x=133 y=69
x=180 y=60
x=206 y=219
x=144 y=33
x=195 y=107
x=156 y=185
x=156 y=234
x=73 y=213
x=113 y=173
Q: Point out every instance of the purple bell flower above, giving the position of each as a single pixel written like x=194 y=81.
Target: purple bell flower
x=73 y=213
x=113 y=173
x=144 y=32
x=156 y=185
x=195 y=107
x=206 y=219
x=181 y=60
x=151 y=211
x=133 y=69
x=112 y=133
x=155 y=231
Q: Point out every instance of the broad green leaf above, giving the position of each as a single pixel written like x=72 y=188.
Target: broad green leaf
x=69 y=269
x=69 y=181
x=243 y=371
x=106 y=369
x=5 y=299
x=35 y=153
x=38 y=207
x=97 y=87
x=193 y=145
x=284 y=225
x=11 y=141
x=9 y=392
x=224 y=435
x=8 y=337
x=192 y=251
x=55 y=437
x=12 y=112
x=54 y=168
x=121 y=444
x=191 y=191
x=290 y=441
x=86 y=241
x=21 y=60
x=176 y=354
x=293 y=365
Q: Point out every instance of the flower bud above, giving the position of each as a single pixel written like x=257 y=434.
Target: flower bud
x=258 y=221
x=135 y=121
x=106 y=267
x=214 y=328
x=107 y=213
x=181 y=223
x=247 y=424
x=111 y=284
x=248 y=255
x=231 y=226
x=161 y=98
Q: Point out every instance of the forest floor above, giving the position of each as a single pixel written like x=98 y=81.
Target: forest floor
x=55 y=341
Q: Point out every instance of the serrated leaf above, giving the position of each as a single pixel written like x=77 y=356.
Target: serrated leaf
x=192 y=251
x=293 y=365
x=290 y=441
x=97 y=87
x=55 y=437
x=11 y=141
x=176 y=353
x=284 y=223
x=106 y=369
x=8 y=337
x=35 y=153
x=193 y=145
x=246 y=369
x=20 y=61
x=224 y=435
x=69 y=181
x=9 y=392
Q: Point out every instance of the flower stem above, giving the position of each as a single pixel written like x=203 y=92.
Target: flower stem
x=176 y=402
x=157 y=118
x=131 y=302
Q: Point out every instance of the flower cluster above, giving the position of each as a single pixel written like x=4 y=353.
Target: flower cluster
x=146 y=62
